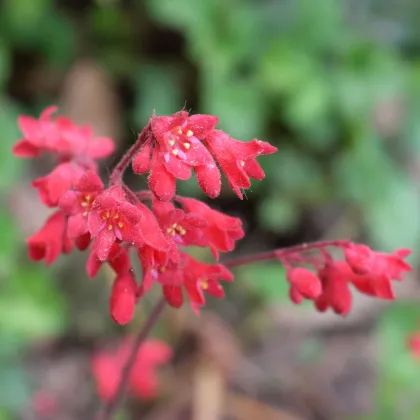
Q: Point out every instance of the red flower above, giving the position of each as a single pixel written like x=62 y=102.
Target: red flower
x=237 y=159
x=413 y=343
x=175 y=148
x=181 y=142
x=54 y=185
x=143 y=381
x=222 y=231
x=118 y=259
x=51 y=240
x=196 y=277
x=62 y=137
x=112 y=218
x=36 y=134
x=335 y=276
x=179 y=227
x=77 y=202
x=376 y=269
x=304 y=284
x=123 y=298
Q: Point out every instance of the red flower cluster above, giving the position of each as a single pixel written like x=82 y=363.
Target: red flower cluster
x=107 y=367
x=177 y=144
x=329 y=284
x=114 y=221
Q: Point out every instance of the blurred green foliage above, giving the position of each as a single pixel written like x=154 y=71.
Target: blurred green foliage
x=334 y=84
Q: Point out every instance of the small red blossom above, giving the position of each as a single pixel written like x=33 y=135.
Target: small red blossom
x=51 y=187
x=335 y=276
x=118 y=259
x=51 y=240
x=222 y=231
x=376 y=269
x=179 y=143
x=112 y=218
x=77 y=203
x=237 y=158
x=107 y=367
x=123 y=298
x=195 y=277
x=304 y=283
x=61 y=137
x=180 y=227
x=176 y=148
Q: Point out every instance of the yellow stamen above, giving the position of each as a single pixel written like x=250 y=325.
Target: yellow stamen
x=110 y=227
x=171 y=142
x=187 y=145
x=242 y=163
x=189 y=133
x=120 y=224
x=204 y=284
x=175 y=152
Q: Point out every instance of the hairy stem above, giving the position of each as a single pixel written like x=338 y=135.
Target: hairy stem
x=282 y=252
x=107 y=412
x=118 y=172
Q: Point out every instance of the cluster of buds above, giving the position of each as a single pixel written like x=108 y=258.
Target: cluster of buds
x=328 y=281
x=157 y=225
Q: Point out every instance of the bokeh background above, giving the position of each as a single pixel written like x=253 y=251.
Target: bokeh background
x=335 y=85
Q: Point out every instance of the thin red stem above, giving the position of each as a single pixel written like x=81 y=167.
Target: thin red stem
x=107 y=412
x=118 y=172
x=281 y=253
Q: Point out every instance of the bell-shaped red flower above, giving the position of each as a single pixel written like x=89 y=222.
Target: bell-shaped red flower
x=51 y=240
x=77 y=203
x=237 y=159
x=52 y=186
x=112 y=218
x=123 y=298
x=222 y=231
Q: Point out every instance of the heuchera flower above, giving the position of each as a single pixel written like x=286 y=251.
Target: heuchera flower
x=194 y=277
x=181 y=142
x=51 y=187
x=368 y=271
x=51 y=240
x=118 y=259
x=107 y=367
x=376 y=268
x=336 y=293
x=61 y=137
x=222 y=231
x=123 y=298
x=237 y=159
x=303 y=284
x=77 y=203
x=112 y=218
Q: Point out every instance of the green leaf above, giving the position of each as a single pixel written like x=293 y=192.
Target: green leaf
x=10 y=167
x=239 y=105
x=398 y=369
x=387 y=197
x=30 y=306
x=279 y=214
x=157 y=88
x=14 y=387
x=267 y=279
x=5 y=64
x=9 y=244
